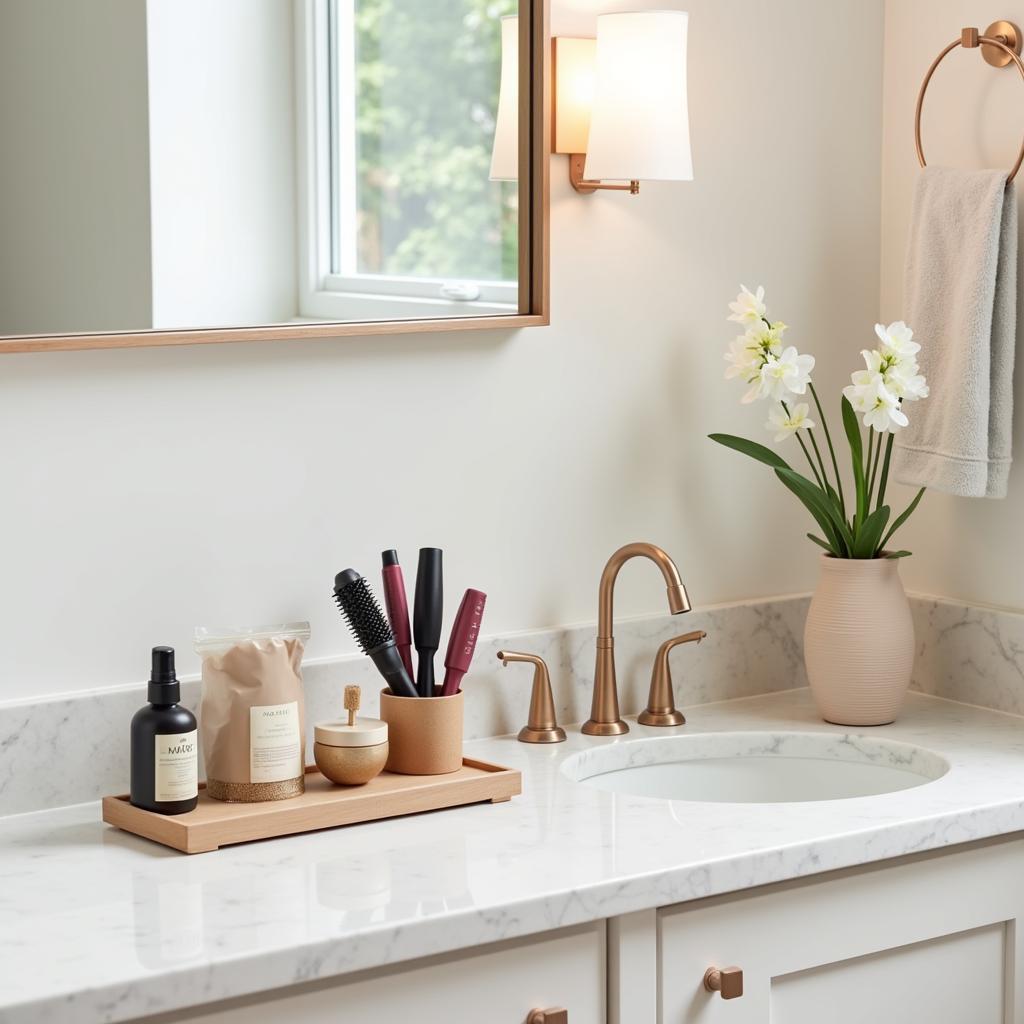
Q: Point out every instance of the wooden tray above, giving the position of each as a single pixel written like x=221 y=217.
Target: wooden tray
x=215 y=823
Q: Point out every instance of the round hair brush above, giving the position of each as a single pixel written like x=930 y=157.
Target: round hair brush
x=372 y=630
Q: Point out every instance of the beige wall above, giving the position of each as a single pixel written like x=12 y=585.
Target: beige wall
x=149 y=491
x=964 y=547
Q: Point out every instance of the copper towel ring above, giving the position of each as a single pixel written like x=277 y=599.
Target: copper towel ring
x=1000 y=45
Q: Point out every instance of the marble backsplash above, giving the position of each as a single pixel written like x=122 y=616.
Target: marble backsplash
x=67 y=750
x=969 y=654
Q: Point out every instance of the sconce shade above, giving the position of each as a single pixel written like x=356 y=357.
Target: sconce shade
x=640 y=126
x=505 y=153
x=573 y=67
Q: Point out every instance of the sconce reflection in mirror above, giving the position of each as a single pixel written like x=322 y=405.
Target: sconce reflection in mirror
x=505 y=154
x=620 y=103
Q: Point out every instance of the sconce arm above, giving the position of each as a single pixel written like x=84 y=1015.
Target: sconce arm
x=577 y=162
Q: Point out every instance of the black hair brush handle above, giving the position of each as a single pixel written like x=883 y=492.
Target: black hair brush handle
x=372 y=630
x=426 y=617
x=389 y=665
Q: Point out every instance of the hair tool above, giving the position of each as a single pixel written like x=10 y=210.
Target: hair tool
x=397 y=606
x=371 y=630
x=462 y=642
x=426 y=617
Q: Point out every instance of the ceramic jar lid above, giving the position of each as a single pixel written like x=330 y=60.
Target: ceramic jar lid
x=367 y=732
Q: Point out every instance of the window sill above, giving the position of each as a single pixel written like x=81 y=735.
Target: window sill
x=341 y=306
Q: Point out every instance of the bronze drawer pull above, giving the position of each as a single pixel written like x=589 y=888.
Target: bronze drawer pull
x=726 y=980
x=555 y=1015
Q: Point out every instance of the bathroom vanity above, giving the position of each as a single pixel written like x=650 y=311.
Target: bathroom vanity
x=899 y=905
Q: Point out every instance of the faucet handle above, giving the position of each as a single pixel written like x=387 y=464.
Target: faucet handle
x=661 y=705
x=541 y=727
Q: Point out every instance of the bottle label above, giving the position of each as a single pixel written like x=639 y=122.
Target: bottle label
x=275 y=750
x=176 y=774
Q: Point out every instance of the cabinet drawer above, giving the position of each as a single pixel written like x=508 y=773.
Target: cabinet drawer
x=929 y=939
x=494 y=984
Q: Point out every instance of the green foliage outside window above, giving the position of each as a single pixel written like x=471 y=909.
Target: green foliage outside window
x=427 y=93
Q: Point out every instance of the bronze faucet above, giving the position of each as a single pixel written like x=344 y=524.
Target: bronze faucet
x=541 y=726
x=661 y=703
x=604 y=710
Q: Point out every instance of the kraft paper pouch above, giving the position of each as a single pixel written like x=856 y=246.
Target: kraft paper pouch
x=252 y=718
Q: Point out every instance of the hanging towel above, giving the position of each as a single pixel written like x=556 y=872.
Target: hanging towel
x=961 y=301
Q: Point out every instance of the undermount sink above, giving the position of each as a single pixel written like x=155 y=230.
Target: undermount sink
x=756 y=767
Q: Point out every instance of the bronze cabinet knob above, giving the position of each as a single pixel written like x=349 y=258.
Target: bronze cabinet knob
x=556 y=1015
x=726 y=980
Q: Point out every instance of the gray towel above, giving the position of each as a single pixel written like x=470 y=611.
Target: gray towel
x=960 y=292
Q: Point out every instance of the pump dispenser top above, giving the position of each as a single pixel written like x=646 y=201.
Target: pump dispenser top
x=164 y=687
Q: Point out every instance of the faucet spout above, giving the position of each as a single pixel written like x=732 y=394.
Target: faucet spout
x=604 y=711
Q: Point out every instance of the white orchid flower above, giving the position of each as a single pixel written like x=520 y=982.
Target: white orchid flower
x=906 y=383
x=749 y=352
x=785 y=425
x=897 y=339
x=748 y=307
x=767 y=337
x=863 y=392
x=880 y=407
x=789 y=373
x=886 y=414
x=899 y=374
x=745 y=358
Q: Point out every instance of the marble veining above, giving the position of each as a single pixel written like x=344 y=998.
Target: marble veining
x=974 y=655
x=130 y=928
x=71 y=749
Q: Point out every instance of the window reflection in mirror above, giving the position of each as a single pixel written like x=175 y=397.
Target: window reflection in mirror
x=178 y=164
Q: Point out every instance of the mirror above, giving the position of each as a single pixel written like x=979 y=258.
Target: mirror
x=178 y=171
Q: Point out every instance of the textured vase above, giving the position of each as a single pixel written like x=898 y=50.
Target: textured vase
x=859 y=641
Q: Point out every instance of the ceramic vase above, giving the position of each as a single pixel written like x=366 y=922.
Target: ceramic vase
x=859 y=641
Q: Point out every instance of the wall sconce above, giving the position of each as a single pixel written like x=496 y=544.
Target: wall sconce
x=620 y=102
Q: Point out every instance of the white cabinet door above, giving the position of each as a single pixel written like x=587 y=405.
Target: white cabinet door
x=956 y=978
x=494 y=984
x=929 y=939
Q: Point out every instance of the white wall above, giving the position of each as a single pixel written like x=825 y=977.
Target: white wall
x=74 y=167
x=148 y=491
x=222 y=137
x=964 y=547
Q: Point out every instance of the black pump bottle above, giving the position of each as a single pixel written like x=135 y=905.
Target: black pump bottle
x=165 y=747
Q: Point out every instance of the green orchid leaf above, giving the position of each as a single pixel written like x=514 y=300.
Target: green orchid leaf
x=865 y=544
x=752 y=449
x=903 y=517
x=821 y=544
x=808 y=493
x=852 y=428
x=821 y=519
x=898 y=554
x=821 y=508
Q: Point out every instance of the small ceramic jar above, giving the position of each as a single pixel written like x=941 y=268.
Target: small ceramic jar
x=351 y=755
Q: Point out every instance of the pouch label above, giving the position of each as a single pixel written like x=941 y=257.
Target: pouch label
x=275 y=750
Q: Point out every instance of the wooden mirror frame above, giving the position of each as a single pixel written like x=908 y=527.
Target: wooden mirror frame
x=534 y=271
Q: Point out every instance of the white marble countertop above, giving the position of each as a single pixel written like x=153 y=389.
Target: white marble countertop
x=98 y=925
